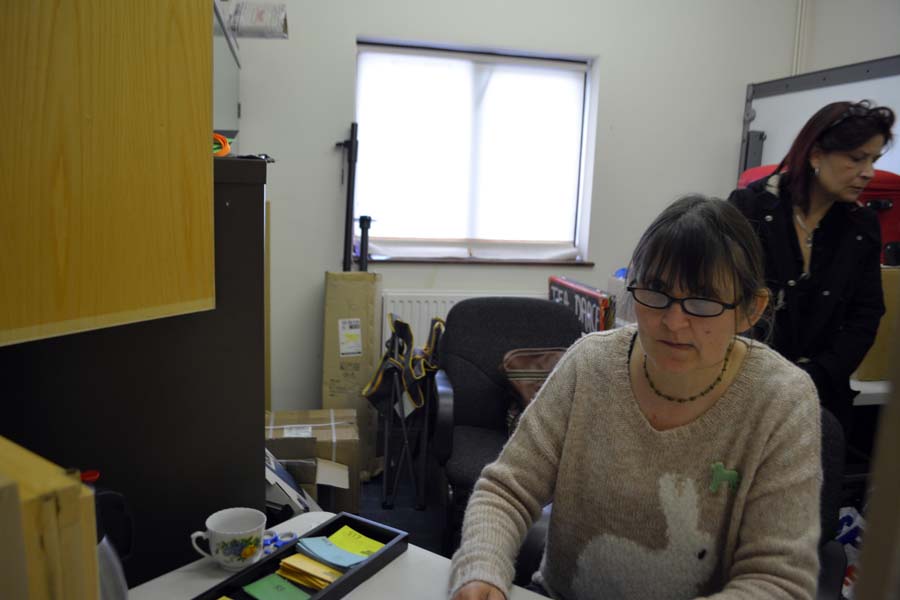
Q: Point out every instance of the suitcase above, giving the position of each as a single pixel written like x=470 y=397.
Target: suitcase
x=883 y=195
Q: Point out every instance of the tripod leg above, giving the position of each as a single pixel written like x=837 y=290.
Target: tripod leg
x=397 y=476
x=386 y=474
x=396 y=402
x=423 y=446
x=407 y=451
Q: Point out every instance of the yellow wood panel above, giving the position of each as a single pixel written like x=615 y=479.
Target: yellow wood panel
x=877 y=365
x=58 y=525
x=89 y=573
x=106 y=211
x=13 y=573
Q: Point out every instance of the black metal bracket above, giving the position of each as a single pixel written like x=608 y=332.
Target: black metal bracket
x=351 y=148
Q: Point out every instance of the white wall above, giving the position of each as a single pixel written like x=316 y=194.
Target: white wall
x=843 y=32
x=672 y=79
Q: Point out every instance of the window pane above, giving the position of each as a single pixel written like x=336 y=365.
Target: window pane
x=529 y=140
x=415 y=142
x=453 y=149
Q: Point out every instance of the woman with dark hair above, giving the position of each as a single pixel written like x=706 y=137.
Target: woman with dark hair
x=682 y=459
x=821 y=249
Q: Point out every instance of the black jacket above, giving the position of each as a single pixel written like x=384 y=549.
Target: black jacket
x=838 y=323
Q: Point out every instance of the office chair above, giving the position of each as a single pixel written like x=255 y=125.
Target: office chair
x=473 y=393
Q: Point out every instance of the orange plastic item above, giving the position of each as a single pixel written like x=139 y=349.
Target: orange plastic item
x=225 y=148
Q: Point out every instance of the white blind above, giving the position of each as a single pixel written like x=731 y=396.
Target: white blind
x=457 y=147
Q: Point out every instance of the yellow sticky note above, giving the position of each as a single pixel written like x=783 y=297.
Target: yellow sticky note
x=351 y=540
x=303 y=579
x=304 y=564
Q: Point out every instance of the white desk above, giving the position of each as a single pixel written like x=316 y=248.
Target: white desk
x=417 y=574
x=871 y=392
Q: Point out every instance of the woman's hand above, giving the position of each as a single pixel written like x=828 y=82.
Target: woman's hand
x=479 y=590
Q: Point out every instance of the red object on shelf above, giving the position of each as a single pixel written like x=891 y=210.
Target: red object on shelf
x=882 y=194
x=90 y=476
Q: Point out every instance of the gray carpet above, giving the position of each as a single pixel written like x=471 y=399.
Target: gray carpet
x=425 y=527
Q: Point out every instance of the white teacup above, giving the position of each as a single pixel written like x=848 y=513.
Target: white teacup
x=234 y=536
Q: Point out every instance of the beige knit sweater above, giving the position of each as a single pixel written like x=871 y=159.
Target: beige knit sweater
x=727 y=505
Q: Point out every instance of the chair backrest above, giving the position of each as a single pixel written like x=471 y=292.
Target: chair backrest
x=479 y=332
x=833 y=449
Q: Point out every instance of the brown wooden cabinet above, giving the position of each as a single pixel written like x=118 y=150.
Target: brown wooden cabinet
x=170 y=411
x=106 y=211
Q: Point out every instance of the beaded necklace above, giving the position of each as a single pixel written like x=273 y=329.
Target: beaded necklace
x=695 y=396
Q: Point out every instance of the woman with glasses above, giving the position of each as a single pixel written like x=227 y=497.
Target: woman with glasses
x=681 y=458
x=821 y=249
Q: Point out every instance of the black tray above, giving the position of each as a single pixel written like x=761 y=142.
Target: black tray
x=394 y=540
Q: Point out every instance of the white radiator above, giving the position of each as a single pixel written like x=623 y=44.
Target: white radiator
x=418 y=308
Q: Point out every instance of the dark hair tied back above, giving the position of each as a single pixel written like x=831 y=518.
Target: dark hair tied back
x=837 y=127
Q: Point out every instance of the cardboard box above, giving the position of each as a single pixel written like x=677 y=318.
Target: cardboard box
x=282 y=487
x=330 y=435
x=58 y=526
x=876 y=365
x=298 y=457
x=352 y=351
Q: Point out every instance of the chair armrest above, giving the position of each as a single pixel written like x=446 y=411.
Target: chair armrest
x=442 y=441
x=832 y=566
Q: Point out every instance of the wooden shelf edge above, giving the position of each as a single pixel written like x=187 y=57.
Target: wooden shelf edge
x=48 y=330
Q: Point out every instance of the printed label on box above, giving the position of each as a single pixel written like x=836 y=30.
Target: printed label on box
x=350 y=337
x=303 y=431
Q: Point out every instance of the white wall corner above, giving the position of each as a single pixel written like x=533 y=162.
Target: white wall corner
x=803 y=36
x=588 y=162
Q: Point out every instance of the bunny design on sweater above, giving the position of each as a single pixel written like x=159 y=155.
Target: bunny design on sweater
x=615 y=567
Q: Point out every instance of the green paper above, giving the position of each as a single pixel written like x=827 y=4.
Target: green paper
x=275 y=587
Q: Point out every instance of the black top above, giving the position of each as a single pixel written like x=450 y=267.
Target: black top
x=826 y=238
x=825 y=321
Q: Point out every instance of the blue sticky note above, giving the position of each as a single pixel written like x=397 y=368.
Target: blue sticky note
x=322 y=548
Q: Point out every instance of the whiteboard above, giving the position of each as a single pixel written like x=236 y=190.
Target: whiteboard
x=782 y=116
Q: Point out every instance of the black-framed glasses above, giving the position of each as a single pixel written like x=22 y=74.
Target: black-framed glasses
x=697 y=307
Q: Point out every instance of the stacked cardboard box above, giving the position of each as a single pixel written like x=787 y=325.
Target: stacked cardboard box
x=294 y=436
x=352 y=351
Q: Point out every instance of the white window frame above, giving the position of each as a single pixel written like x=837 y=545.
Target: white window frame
x=575 y=251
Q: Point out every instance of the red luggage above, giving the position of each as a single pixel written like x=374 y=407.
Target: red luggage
x=883 y=194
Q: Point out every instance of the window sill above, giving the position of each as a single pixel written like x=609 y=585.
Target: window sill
x=480 y=261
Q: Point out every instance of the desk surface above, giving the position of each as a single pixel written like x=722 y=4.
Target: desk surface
x=417 y=574
x=871 y=392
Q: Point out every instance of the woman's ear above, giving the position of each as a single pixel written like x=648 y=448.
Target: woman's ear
x=815 y=157
x=748 y=320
